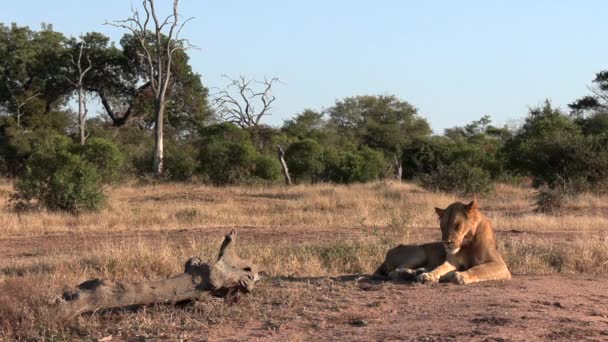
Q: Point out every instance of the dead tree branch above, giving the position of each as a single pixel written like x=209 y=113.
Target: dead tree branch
x=284 y=169
x=157 y=51
x=19 y=101
x=229 y=275
x=78 y=83
x=240 y=104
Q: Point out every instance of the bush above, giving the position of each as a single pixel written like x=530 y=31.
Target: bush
x=358 y=166
x=180 y=163
x=227 y=155
x=104 y=155
x=59 y=179
x=267 y=168
x=550 y=201
x=458 y=178
x=305 y=160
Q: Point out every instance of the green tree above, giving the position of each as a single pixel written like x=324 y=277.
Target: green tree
x=552 y=148
x=598 y=101
x=308 y=124
x=32 y=71
x=305 y=161
x=380 y=122
x=227 y=155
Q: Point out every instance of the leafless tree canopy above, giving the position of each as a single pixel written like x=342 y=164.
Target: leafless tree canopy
x=241 y=104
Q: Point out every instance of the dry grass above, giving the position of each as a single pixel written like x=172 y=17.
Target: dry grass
x=148 y=231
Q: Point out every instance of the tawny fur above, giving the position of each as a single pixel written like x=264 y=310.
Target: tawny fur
x=467 y=253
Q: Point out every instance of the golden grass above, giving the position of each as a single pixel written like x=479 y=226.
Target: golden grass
x=300 y=231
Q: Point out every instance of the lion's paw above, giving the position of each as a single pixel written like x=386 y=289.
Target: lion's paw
x=461 y=278
x=427 y=278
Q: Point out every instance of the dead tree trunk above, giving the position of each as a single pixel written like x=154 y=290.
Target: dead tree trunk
x=281 y=154
x=157 y=49
x=229 y=275
x=158 y=141
x=82 y=115
x=398 y=168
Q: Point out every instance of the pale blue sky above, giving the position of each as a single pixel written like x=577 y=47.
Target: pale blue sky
x=454 y=60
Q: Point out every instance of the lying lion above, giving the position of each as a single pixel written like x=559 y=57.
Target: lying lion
x=467 y=253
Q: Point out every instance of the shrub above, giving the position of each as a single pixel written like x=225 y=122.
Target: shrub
x=550 y=201
x=558 y=153
x=305 y=160
x=458 y=178
x=358 y=166
x=180 y=163
x=226 y=162
x=227 y=155
x=104 y=155
x=267 y=168
x=59 y=179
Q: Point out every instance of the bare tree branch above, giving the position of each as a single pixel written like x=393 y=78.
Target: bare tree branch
x=19 y=101
x=237 y=102
x=157 y=51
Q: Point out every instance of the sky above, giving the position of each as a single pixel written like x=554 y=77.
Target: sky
x=453 y=60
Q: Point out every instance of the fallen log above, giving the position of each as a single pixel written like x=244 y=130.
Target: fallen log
x=229 y=276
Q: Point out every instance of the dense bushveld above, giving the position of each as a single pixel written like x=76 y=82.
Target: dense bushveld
x=148 y=231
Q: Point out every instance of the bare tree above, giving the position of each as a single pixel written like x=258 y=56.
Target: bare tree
x=281 y=155
x=398 y=168
x=157 y=50
x=19 y=100
x=78 y=83
x=240 y=104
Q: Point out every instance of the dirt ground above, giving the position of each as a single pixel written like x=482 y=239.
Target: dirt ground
x=525 y=309
x=354 y=308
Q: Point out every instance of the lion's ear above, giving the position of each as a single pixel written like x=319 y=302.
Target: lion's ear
x=472 y=205
x=439 y=211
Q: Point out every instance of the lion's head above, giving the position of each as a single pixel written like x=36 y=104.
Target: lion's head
x=458 y=224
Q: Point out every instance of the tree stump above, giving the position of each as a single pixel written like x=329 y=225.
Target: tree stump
x=228 y=275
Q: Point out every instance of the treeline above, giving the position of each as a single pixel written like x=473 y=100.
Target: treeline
x=358 y=139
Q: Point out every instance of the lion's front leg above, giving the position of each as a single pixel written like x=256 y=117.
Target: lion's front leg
x=494 y=270
x=437 y=273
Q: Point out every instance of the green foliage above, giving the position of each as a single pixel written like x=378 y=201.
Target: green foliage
x=180 y=163
x=358 y=166
x=598 y=102
x=59 y=179
x=458 y=178
x=267 y=168
x=305 y=161
x=16 y=144
x=380 y=122
x=104 y=155
x=308 y=124
x=227 y=156
x=552 y=148
x=32 y=66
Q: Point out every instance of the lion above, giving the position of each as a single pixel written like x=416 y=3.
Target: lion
x=467 y=253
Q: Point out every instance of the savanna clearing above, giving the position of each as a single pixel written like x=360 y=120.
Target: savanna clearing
x=315 y=242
